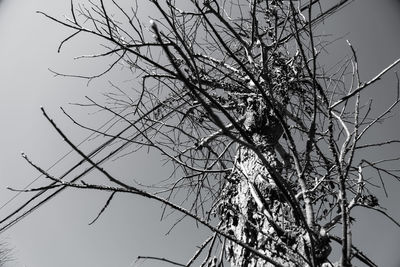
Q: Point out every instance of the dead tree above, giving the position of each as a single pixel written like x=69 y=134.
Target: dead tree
x=264 y=143
x=5 y=253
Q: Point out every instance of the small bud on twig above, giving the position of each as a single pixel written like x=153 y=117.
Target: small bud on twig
x=153 y=25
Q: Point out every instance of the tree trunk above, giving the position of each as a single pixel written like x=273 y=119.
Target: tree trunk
x=254 y=211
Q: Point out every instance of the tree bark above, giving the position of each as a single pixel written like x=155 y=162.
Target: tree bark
x=253 y=209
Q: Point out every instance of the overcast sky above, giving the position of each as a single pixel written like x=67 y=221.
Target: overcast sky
x=58 y=235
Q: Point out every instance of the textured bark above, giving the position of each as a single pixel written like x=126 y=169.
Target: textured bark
x=255 y=212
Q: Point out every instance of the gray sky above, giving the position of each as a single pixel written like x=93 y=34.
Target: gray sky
x=58 y=233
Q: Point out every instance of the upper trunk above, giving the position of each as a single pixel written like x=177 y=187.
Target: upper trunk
x=253 y=209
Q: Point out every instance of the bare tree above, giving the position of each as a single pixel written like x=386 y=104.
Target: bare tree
x=5 y=253
x=264 y=143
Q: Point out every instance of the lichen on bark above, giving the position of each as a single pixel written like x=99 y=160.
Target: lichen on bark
x=254 y=210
